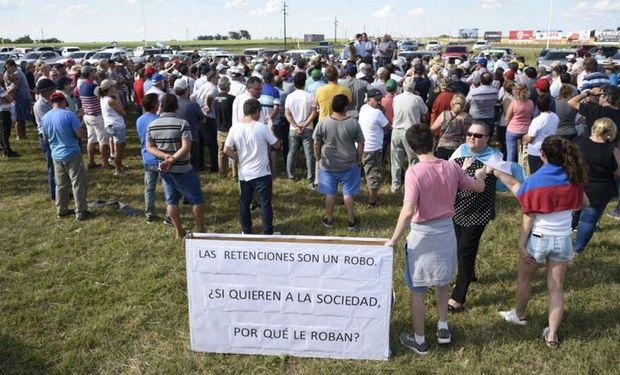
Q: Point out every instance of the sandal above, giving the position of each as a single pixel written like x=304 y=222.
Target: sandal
x=553 y=344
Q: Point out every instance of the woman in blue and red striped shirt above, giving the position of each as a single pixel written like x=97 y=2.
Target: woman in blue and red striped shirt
x=548 y=199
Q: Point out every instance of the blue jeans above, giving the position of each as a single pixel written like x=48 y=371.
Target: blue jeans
x=47 y=152
x=585 y=222
x=263 y=186
x=151 y=172
x=295 y=141
x=511 y=146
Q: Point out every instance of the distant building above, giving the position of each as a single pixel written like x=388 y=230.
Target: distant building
x=310 y=38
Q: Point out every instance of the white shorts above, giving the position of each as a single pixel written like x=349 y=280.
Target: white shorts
x=96 y=130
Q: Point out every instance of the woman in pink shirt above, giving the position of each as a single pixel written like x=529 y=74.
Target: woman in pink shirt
x=430 y=251
x=518 y=118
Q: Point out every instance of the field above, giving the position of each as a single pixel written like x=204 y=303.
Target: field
x=109 y=295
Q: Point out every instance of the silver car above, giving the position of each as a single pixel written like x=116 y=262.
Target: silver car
x=49 y=57
x=555 y=55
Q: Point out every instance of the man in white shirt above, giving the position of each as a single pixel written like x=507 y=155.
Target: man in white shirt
x=300 y=111
x=542 y=126
x=158 y=86
x=248 y=144
x=372 y=121
x=408 y=111
x=253 y=90
x=207 y=134
x=237 y=86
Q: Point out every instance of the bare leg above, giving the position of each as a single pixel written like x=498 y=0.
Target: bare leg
x=372 y=195
x=418 y=312
x=105 y=155
x=118 y=157
x=198 y=212
x=524 y=277
x=91 y=148
x=555 y=284
x=349 y=204
x=441 y=299
x=175 y=217
x=330 y=203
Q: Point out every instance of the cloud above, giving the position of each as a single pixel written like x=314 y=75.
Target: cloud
x=76 y=8
x=492 y=4
x=236 y=4
x=10 y=4
x=384 y=12
x=416 y=12
x=272 y=6
x=588 y=10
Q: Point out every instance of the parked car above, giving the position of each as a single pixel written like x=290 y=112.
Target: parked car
x=110 y=54
x=555 y=55
x=68 y=50
x=606 y=51
x=270 y=53
x=582 y=49
x=405 y=56
x=454 y=51
x=6 y=49
x=78 y=57
x=253 y=52
x=409 y=45
x=433 y=45
x=508 y=52
x=616 y=59
x=324 y=50
x=296 y=54
x=481 y=45
x=4 y=56
x=45 y=48
x=48 y=57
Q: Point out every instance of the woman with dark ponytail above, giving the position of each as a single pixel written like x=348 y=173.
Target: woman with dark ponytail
x=603 y=158
x=548 y=198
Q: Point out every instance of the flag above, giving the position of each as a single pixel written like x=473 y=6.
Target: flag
x=549 y=190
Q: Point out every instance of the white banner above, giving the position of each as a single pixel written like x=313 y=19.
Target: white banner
x=551 y=34
x=297 y=295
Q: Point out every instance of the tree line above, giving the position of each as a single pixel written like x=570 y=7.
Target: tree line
x=232 y=35
x=26 y=39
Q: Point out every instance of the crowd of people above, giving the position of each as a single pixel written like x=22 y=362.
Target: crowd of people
x=434 y=121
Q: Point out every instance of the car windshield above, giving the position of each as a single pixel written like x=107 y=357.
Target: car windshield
x=77 y=54
x=557 y=55
x=616 y=56
x=32 y=55
x=102 y=55
x=4 y=56
x=456 y=49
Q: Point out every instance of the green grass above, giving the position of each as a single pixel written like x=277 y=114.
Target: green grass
x=109 y=295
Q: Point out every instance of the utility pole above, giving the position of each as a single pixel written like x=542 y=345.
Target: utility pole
x=42 y=35
x=144 y=22
x=187 y=33
x=335 y=29
x=549 y=24
x=284 y=14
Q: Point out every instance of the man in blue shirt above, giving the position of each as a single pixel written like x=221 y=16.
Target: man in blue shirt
x=62 y=130
x=150 y=107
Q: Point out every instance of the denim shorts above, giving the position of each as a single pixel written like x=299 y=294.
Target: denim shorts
x=350 y=180
x=556 y=248
x=118 y=133
x=177 y=185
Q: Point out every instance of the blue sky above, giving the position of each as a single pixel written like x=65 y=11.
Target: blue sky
x=107 y=20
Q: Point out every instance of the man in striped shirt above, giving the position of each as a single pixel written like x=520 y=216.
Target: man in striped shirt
x=169 y=139
x=93 y=119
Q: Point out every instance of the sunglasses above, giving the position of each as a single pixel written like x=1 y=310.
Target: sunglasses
x=476 y=135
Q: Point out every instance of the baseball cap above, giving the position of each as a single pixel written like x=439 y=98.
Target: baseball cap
x=45 y=85
x=374 y=93
x=157 y=78
x=509 y=74
x=542 y=84
x=283 y=73
x=107 y=83
x=221 y=67
x=180 y=84
x=482 y=61
x=391 y=85
x=57 y=97
x=351 y=70
x=316 y=74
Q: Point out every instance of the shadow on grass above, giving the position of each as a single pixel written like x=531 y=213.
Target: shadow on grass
x=17 y=358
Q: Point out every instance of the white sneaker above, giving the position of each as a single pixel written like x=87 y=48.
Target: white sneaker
x=511 y=317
